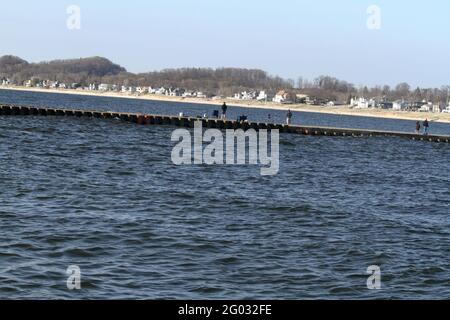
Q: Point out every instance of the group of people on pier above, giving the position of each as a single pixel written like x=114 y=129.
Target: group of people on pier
x=425 y=125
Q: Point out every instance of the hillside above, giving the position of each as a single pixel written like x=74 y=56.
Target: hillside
x=74 y=70
x=224 y=81
x=221 y=81
x=9 y=65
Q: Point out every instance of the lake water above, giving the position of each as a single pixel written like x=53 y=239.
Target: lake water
x=105 y=196
x=173 y=108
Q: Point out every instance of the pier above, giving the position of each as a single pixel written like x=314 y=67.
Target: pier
x=188 y=122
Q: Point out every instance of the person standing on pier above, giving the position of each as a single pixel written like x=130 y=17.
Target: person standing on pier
x=224 y=110
x=426 y=127
x=417 y=127
x=289 y=117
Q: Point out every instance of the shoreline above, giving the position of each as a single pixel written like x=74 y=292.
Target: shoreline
x=340 y=110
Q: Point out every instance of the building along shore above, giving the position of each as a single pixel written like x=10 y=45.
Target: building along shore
x=336 y=110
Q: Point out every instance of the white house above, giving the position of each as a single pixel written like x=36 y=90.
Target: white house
x=262 y=96
x=302 y=98
x=174 y=92
x=424 y=108
x=430 y=107
x=141 y=90
x=54 y=84
x=237 y=96
x=5 y=82
x=248 y=95
x=282 y=97
x=446 y=110
x=188 y=94
x=124 y=89
x=245 y=95
x=201 y=95
x=398 y=105
x=151 y=90
x=360 y=103
x=278 y=98
x=103 y=87
x=436 y=108
x=161 y=90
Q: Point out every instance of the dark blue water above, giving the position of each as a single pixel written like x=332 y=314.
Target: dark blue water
x=173 y=108
x=104 y=195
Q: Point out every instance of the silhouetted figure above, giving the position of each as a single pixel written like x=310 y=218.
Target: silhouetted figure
x=224 y=110
x=426 y=127
x=418 y=127
x=289 y=117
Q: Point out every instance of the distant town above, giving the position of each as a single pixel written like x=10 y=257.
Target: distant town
x=281 y=97
x=100 y=75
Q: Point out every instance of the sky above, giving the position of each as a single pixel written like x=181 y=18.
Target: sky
x=289 y=38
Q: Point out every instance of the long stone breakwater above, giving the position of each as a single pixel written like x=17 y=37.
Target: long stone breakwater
x=184 y=121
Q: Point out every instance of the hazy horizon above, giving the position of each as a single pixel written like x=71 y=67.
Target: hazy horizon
x=290 y=39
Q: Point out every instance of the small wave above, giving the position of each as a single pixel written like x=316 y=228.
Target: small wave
x=207 y=290
x=228 y=260
x=78 y=252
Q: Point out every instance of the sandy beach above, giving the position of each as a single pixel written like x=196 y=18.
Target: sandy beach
x=337 y=110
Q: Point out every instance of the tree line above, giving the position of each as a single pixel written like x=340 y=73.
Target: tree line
x=221 y=81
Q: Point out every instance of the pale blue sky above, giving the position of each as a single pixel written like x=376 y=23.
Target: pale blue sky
x=290 y=38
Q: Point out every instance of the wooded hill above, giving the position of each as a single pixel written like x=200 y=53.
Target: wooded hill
x=221 y=81
x=225 y=81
